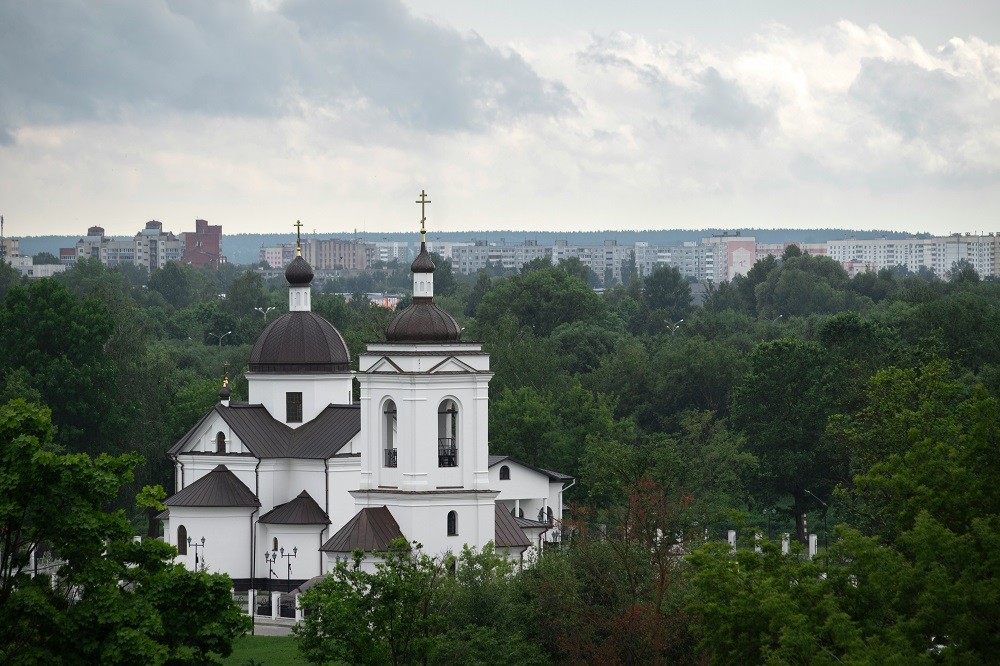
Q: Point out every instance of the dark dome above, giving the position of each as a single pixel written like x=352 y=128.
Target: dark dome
x=299 y=272
x=423 y=263
x=423 y=321
x=300 y=341
x=225 y=392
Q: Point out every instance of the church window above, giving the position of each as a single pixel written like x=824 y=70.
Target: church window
x=293 y=407
x=390 y=426
x=447 y=434
x=182 y=540
x=274 y=544
x=548 y=512
x=220 y=443
x=452 y=523
x=505 y=473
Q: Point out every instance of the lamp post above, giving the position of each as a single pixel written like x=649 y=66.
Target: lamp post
x=768 y=514
x=220 y=337
x=270 y=557
x=198 y=560
x=826 y=533
x=674 y=326
x=777 y=318
x=264 y=312
x=289 y=556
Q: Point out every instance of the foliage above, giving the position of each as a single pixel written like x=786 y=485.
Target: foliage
x=379 y=617
x=112 y=600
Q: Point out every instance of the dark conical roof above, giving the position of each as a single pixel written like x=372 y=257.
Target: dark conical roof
x=299 y=273
x=300 y=341
x=220 y=487
x=423 y=321
x=303 y=510
x=423 y=262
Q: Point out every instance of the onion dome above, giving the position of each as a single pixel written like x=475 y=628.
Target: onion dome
x=299 y=272
x=423 y=321
x=298 y=342
x=225 y=391
x=423 y=263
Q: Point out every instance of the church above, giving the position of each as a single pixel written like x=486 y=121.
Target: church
x=274 y=491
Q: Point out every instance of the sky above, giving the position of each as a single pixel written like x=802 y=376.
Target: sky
x=540 y=115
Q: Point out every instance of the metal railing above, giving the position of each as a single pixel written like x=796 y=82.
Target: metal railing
x=391 y=457
x=447 y=452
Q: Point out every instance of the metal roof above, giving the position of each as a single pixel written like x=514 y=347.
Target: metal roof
x=423 y=321
x=300 y=341
x=220 y=487
x=554 y=476
x=371 y=529
x=508 y=534
x=303 y=510
x=266 y=437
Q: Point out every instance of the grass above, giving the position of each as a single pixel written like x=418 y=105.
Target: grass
x=265 y=651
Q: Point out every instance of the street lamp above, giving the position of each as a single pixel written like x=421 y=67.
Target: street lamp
x=769 y=514
x=777 y=318
x=264 y=312
x=826 y=533
x=673 y=327
x=220 y=337
x=289 y=556
x=196 y=546
x=271 y=557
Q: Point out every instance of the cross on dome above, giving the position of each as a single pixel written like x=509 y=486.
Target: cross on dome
x=423 y=201
x=298 y=238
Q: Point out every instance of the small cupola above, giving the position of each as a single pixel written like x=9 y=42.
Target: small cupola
x=423 y=320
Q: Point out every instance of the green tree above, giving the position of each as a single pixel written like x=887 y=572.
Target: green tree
x=45 y=258
x=782 y=406
x=575 y=267
x=381 y=617
x=106 y=598
x=541 y=300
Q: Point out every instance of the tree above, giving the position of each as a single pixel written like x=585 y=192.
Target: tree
x=575 y=267
x=382 y=617
x=106 y=598
x=60 y=343
x=541 y=300
x=45 y=259
x=782 y=406
x=665 y=289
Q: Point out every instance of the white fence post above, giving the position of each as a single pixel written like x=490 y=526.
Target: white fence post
x=785 y=544
x=813 y=545
x=731 y=537
x=275 y=605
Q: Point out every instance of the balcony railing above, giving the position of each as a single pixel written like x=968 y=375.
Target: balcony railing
x=447 y=452
x=391 y=457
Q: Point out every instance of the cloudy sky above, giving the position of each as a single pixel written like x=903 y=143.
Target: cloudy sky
x=541 y=114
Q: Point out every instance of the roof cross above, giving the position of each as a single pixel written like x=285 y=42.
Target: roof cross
x=423 y=201
x=298 y=238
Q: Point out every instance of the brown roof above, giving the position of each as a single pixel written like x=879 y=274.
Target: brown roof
x=267 y=437
x=220 y=487
x=553 y=476
x=370 y=529
x=300 y=341
x=508 y=534
x=423 y=321
x=303 y=510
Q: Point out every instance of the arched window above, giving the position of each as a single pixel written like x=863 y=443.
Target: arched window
x=448 y=434
x=220 y=443
x=452 y=523
x=182 y=540
x=505 y=473
x=274 y=544
x=549 y=514
x=390 y=426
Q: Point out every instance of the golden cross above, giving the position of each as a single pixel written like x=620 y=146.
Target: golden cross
x=423 y=201
x=298 y=238
x=225 y=373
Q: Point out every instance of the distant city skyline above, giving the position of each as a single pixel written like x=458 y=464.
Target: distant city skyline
x=552 y=116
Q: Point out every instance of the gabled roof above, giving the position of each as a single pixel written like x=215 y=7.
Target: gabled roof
x=370 y=529
x=266 y=437
x=553 y=476
x=508 y=534
x=220 y=487
x=303 y=510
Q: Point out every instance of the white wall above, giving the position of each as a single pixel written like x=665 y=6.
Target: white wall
x=227 y=534
x=318 y=391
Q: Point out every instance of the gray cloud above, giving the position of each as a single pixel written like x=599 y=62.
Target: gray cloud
x=100 y=60
x=723 y=105
x=916 y=102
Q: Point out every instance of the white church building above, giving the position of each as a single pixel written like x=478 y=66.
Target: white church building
x=275 y=490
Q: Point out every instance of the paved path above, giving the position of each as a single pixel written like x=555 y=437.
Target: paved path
x=272 y=629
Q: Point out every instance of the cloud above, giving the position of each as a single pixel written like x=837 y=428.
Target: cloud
x=109 y=60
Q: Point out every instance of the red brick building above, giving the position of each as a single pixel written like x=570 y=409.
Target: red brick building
x=203 y=246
